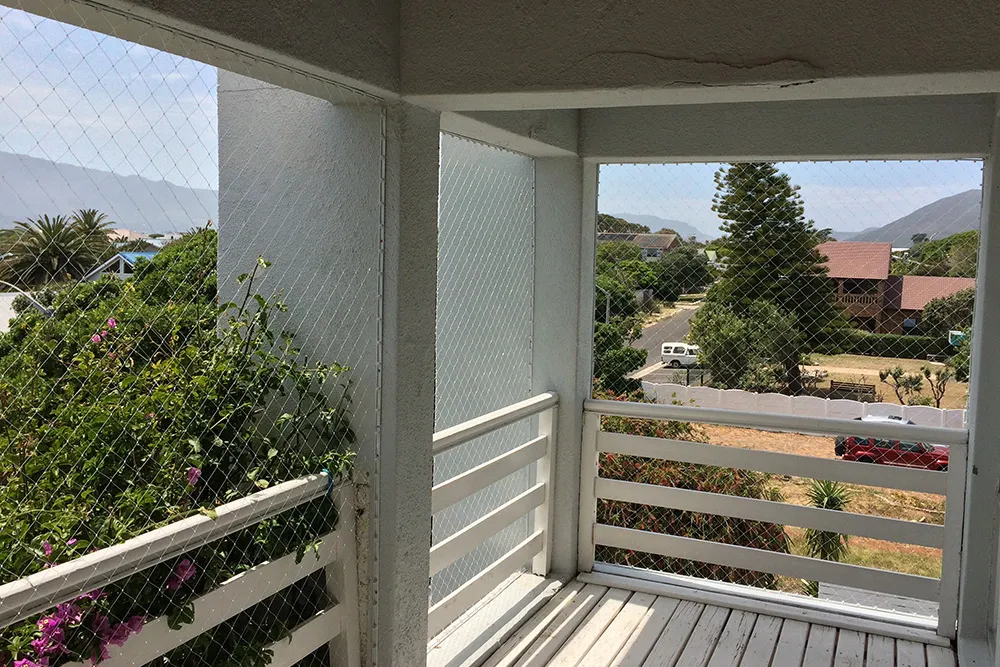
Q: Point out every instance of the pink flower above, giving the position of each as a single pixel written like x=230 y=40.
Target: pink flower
x=28 y=662
x=71 y=541
x=104 y=333
x=47 y=548
x=184 y=571
x=112 y=323
x=149 y=415
x=111 y=355
x=95 y=338
x=193 y=475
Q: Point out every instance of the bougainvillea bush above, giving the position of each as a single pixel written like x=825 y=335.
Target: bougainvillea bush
x=143 y=401
x=709 y=527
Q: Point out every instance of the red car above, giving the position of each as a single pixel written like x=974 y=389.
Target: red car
x=896 y=453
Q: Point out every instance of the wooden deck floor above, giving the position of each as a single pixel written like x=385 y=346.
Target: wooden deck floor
x=597 y=626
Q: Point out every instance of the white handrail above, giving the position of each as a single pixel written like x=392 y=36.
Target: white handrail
x=777 y=422
x=460 y=434
x=35 y=593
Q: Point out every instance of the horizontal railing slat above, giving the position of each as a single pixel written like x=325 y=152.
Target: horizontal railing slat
x=462 y=486
x=442 y=614
x=778 y=422
x=759 y=560
x=455 y=546
x=219 y=605
x=908 y=479
x=38 y=592
x=848 y=523
x=307 y=637
x=459 y=434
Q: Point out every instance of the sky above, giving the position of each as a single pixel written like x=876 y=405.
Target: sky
x=79 y=97
x=843 y=196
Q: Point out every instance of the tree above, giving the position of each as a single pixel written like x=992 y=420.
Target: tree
x=610 y=253
x=954 y=255
x=682 y=271
x=92 y=227
x=903 y=384
x=614 y=358
x=938 y=381
x=917 y=239
x=609 y=224
x=772 y=257
x=948 y=313
x=960 y=362
x=750 y=351
x=46 y=250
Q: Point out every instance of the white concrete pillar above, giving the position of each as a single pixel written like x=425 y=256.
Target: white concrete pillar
x=565 y=224
x=405 y=462
x=976 y=620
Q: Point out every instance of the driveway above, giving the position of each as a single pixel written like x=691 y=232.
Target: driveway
x=673 y=328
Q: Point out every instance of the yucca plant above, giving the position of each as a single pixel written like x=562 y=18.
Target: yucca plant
x=823 y=544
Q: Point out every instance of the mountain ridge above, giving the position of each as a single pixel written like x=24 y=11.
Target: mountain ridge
x=655 y=223
x=30 y=187
x=941 y=218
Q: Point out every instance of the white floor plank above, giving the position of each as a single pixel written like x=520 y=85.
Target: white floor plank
x=733 y=642
x=675 y=637
x=558 y=629
x=524 y=636
x=791 y=644
x=580 y=642
x=850 y=649
x=604 y=650
x=820 y=646
x=706 y=635
x=881 y=651
x=633 y=653
x=763 y=639
x=910 y=654
x=938 y=656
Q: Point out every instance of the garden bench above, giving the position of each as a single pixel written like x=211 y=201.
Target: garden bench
x=844 y=389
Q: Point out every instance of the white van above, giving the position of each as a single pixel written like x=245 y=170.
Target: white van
x=676 y=355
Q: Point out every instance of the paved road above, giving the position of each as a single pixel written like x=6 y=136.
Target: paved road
x=671 y=329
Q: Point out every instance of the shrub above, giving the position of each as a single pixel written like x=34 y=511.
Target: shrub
x=747 y=484
x=128 y=410
x=948 y=313
x=894 y=345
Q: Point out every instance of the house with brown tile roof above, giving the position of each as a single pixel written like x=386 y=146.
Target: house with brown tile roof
x=875 y=300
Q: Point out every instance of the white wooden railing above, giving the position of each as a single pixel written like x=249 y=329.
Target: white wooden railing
x=337 y=625
x=536 y=500
x=947 y=537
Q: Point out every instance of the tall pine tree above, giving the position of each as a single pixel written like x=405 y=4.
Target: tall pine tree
x=772 y=257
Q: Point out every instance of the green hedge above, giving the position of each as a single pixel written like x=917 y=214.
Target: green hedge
x=894 y=345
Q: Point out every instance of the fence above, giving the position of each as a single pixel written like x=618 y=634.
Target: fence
x=334 y=557
x=535 y=501
x=747 y=401
x=601 y=447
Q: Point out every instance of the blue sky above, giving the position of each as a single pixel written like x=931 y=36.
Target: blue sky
x=844 y=196
x=75 y=96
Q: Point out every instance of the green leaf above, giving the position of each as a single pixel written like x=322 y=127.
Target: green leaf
x=209 y=512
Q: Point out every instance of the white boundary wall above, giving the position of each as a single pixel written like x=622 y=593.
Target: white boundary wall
x=808 y=406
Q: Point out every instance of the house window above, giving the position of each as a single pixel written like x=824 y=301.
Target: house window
x=909 y=324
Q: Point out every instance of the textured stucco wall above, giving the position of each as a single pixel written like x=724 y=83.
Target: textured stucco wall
x=695 y=50
x=300 y=183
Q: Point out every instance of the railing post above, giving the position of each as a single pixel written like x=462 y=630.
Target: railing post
x=342 y=582
x=588 y=496
x=951 y=555
x=544 y=514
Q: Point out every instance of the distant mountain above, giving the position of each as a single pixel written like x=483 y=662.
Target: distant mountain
x=31 y=186
x=849 y=236
x=944 y=217
x=655 y=224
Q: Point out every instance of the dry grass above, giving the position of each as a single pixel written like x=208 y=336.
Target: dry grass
x=662 y=312
x=890 y=503
x=864 y=370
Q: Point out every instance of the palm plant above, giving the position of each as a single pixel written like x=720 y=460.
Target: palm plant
x=92 y=226
x=45 y=250
x=823 y=544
